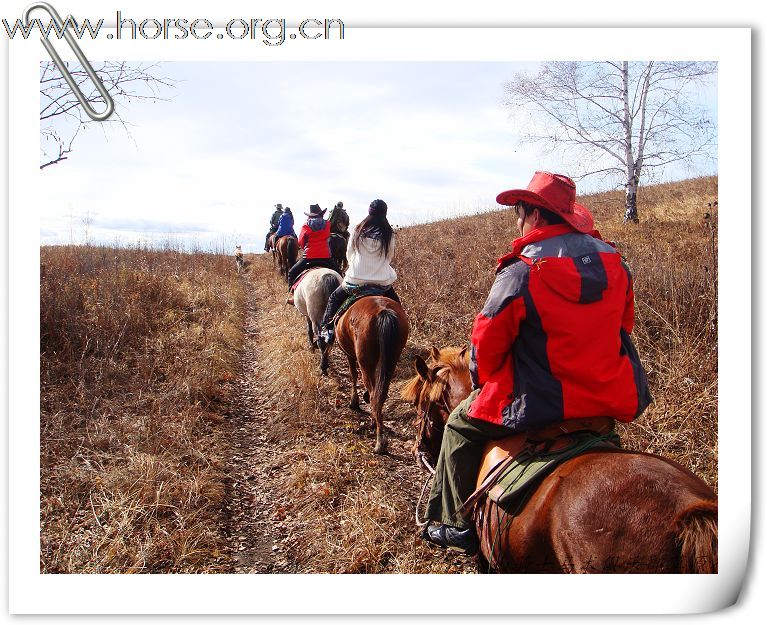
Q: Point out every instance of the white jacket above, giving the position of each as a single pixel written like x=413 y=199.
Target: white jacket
x=368 y=266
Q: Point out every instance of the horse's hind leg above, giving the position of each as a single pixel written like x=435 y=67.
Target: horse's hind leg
x=382 y=440
x=354 y=402
x=310 y=333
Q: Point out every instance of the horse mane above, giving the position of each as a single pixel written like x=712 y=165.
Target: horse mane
x=442 y=362
x=412 y=390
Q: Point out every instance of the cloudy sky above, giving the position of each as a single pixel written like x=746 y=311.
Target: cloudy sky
x=206 y=167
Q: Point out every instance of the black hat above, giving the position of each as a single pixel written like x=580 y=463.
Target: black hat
x=315 y=211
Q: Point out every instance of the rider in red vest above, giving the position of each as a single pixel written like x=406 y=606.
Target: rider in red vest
x=551 y=343
x=313 y=238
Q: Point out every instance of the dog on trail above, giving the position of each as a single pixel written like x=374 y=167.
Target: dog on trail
x=239 y=259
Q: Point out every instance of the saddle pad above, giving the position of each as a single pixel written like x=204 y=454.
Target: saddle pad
x=532 y=464
x=364 y=290
x=300 y=277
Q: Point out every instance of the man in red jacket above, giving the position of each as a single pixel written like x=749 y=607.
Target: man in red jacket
x=551 y=343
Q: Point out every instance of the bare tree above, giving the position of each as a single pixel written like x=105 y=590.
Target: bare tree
x=61 y=115
x=617 y=119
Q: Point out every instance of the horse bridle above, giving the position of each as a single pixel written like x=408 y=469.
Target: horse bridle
x=423 y=415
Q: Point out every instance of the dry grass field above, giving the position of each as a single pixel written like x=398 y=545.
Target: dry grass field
x=141 y=353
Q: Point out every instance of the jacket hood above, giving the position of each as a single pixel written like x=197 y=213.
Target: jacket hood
x=315 y=223
x=569 y=263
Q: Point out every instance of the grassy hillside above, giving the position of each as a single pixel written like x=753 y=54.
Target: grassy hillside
x=139 y=351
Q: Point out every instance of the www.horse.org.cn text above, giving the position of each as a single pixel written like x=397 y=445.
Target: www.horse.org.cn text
x=271 y=32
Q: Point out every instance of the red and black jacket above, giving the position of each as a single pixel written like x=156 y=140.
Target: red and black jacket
x=552 y=341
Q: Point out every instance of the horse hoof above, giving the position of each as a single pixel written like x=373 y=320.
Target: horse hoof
x=380 y=448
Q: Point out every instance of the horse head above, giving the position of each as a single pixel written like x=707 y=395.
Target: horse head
x=339 y=220
x=437 y=388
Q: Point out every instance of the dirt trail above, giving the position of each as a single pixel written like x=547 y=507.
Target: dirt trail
x=265 y=525
x=253 y=488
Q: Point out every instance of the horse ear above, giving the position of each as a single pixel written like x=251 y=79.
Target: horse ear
x=462 y=355
x=421 y=368
x=434 y=353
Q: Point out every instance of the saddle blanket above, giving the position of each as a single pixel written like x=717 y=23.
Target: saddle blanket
x=355 y=293
x=533 y=464
x=300 y=277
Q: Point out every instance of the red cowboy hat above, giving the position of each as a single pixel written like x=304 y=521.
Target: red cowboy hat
x=553 y=192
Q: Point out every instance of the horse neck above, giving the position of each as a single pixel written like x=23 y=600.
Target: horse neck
x=458 y=388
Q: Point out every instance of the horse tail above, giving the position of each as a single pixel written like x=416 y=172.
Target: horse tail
x=291 y=252
x=388 y=339
x=330 y=283
x=697 y=536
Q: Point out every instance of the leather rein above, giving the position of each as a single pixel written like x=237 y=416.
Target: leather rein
x=423 y=415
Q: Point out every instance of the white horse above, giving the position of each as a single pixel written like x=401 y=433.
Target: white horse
x=311 y=299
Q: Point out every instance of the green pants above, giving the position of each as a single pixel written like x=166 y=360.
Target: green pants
x=458 y=465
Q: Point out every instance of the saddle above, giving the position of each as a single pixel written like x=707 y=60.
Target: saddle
x=512 y=465
x=364 y=290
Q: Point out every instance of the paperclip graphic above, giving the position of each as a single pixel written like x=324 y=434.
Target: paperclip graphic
x=99 y=117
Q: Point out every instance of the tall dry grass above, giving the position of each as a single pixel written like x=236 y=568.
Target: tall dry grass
x=138 y=348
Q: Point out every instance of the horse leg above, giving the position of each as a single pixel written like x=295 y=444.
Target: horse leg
x=354 y=402
x=378 y=397
x=324 y=351
x=310 y=332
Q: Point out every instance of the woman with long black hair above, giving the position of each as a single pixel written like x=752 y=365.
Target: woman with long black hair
x=370 y=253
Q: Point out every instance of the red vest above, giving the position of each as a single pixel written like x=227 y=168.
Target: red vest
x=315 y=242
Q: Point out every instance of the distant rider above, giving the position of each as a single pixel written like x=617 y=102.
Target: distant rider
x=370 y=254
x=285 y=227
x=313 y=239
x=274 y=223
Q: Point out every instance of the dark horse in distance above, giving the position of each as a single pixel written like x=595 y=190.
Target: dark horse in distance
x=606 y=510
x=339 y=236
x=287 y=253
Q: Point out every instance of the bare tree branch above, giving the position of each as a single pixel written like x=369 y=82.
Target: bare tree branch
x=61 y=114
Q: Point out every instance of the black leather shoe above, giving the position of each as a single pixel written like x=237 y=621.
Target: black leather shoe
x=454 y=538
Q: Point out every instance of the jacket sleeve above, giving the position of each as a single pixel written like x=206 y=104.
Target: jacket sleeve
x=303 y=238
x=497 y=326
x=627 y=322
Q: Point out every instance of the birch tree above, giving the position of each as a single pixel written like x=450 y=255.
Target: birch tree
x=620 y=120
x=62 y=116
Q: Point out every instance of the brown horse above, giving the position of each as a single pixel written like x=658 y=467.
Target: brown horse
x=287 y=254
x=270 y=247
x=607 y=510
x=372 y=334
